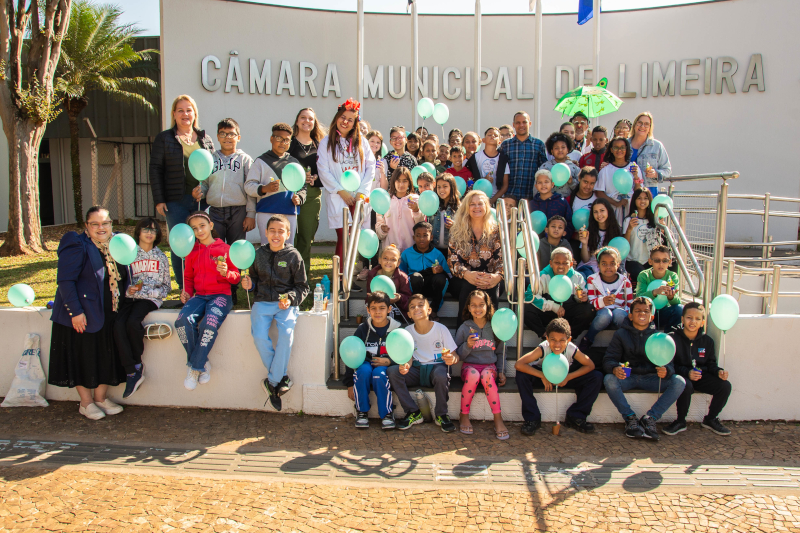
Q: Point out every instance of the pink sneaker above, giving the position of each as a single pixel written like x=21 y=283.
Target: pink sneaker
x=363 y=274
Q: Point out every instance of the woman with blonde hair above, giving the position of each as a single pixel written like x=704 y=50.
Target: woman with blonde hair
x=307 y=133
x=648 y=153
x=475 y=256
x=171 y=181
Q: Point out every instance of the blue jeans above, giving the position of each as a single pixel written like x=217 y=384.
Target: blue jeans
x=603 y=319
x=586 y=271
x=200 y=319
x=365 y=377
x=668 y=316
x=671 y=389
x=177 y=213
x=276 y=360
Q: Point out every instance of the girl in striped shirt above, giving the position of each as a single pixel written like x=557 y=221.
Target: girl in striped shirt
x=610 y=293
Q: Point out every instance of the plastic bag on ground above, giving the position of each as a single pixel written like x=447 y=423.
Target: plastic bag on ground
x=27 y=388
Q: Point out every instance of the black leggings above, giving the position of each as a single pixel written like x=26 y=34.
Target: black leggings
x=460 y=288
x=129 y=331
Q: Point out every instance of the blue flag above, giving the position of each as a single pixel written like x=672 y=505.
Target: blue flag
x=585 y=11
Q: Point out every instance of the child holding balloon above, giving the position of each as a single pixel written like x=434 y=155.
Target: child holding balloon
x=602 y=229
x=559 y=146
x=660 y=284
x=395 y=227
x=639 y=357
x=442 y=220
x=206 y=295
x=610 y=293
x=549 y=201
x=618 y=156
x=533 y=370
x=278 y=277
x=641 y=231
x=149 y=285
x=371 y=374
x=484 y=361
x=696 y=361
x=389 y=263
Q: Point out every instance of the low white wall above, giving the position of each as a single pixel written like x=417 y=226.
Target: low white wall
x=236 y=368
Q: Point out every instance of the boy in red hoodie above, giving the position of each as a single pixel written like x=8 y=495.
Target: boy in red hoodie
x=208 y=276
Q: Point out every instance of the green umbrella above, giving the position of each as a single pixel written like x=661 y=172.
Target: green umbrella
x=592 y=101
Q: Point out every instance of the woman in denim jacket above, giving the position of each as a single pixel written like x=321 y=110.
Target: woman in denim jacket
x=648 y=153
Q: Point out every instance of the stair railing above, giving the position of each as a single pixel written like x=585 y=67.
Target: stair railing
x=350 y=248
x=695 y=289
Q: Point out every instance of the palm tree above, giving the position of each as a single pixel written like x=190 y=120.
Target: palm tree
x=97 y=55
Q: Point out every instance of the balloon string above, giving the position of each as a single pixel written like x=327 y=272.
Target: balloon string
x=248 y=300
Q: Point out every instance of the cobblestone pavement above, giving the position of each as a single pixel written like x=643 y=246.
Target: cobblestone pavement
x=162 y=469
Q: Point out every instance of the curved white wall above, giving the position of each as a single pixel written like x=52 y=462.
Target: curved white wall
x=703 y=133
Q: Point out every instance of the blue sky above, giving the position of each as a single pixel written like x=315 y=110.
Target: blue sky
x=146 y=14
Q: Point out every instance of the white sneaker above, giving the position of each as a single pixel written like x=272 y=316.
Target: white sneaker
x=205 y=376
x=109 y=407
x=191 y=379
x=92 y=412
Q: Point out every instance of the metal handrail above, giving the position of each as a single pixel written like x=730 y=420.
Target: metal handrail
x=505 y=249
x=350 y=247
x=773 y=292
x=705 y=177
x=532 y=258
x=695 y=290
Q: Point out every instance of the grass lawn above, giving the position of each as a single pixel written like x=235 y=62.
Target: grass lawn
x=39 y=271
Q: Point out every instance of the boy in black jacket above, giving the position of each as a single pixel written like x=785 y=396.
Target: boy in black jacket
x=372 y=372
x=279 y=279
x=628 y=346
x=696 y=361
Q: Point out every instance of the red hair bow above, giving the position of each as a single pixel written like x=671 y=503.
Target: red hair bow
x=352 y=105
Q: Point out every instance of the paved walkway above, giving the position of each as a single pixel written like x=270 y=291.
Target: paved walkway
x=179 y=469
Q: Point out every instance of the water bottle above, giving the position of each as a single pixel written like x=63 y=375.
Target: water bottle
x=319 y=296
x=424 y=405
x=326 y=286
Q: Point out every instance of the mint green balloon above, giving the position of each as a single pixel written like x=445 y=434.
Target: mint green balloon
x=538 y=221
x=123 y=248
x=622 y=245
x=380 y=201
x=560 y=174
x=659 y=301
x=484 y=186
x=555 y=368
x=368 y=243
x=351 y=180
x=242 y=254
x=383 y=284
x=353 y=352
x=21 y=295
x=660 y=348
x=560 y=288
x=441 y=113
x=181 y=239
x=431 y=168
x=415 y=172
x=293 y=177
x=425 y=108
x=201 y=164
x=428 y=203
x=724 y=311
x=521 y=243
x=400 y=346
x=384 y=150
x=504 y=323
x=622 y=181
x=661 y=199
x=461 y=185
x=580 y=218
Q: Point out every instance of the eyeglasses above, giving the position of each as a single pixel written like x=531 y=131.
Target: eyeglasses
x=282 y=140
x=619 y=148
x=579 y=123
x=96 y=226
x=223 y=135
x=396 y=138
x=151 y=231
x=660 y=261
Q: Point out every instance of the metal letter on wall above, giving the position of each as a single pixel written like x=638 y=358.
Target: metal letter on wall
x=308 y=80
x=373 y=85
x=435 y=83
x=707 y=77
x=422 y=84
x=487 y=76
x=622 y=92
x=209 y=85
x=663 y=83
x=686 y=77
x=503 y=84
x=726 y=75
x=402 y=92
x=570 y=79
x=332 y=81
x=285 y=79
x=468 y=84
x=446 y=83
x=645 y=85
x=260 y=82
x=582 y=79
x=521 y=94
x=755 y=74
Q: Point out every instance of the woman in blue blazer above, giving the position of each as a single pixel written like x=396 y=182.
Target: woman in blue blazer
x=83 y=353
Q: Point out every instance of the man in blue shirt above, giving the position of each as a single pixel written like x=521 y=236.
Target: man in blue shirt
x=525 y=155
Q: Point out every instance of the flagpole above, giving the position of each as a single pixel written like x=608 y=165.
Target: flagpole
x=414 y=65
x=538 y=51
x=597 y=76
x=477 y=68
x=360 y=52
